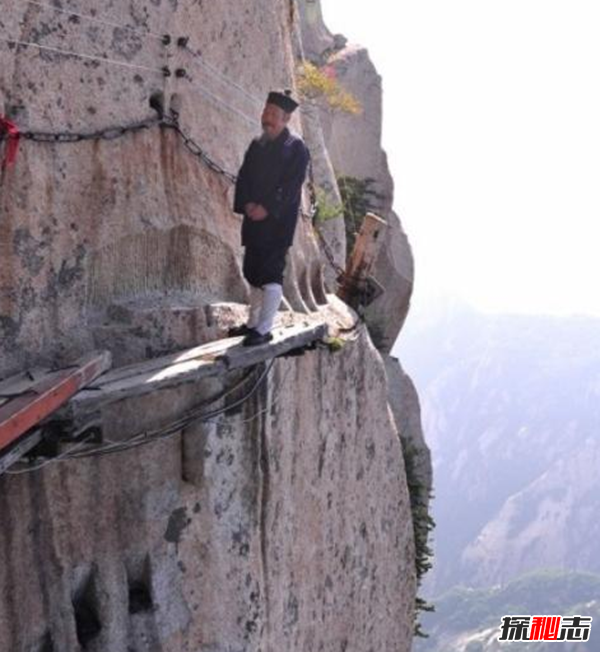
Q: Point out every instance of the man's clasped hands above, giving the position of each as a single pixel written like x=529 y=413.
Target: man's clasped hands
x=255 y=212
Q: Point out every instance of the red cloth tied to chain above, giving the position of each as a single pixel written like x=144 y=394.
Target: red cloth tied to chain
x=9 y=133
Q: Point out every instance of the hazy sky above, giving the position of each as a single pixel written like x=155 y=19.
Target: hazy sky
x=492 y=128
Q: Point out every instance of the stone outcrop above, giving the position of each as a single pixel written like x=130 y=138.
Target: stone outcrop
x=354 y=147
x=283 y=523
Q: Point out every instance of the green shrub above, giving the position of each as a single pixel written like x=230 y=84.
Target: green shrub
x=334 y=343
x=358 y=198
x=326 y=209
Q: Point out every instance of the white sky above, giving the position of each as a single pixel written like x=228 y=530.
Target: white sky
x=492 y=128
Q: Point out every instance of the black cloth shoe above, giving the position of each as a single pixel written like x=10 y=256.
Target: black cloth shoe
x=252 y=339
x=240 y=330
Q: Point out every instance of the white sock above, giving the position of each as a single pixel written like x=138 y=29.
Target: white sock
x=272 y=293
x=256 y=299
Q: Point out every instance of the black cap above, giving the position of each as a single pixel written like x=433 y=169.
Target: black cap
x=283 y=99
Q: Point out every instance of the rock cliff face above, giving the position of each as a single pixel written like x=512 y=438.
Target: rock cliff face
x=354 y=146
x=284 y=524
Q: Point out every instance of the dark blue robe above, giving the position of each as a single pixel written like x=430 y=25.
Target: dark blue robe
x=272 y=175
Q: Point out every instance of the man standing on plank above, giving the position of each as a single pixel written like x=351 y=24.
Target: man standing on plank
x=268 y=193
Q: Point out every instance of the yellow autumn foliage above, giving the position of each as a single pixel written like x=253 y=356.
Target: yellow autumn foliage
x=314 y=83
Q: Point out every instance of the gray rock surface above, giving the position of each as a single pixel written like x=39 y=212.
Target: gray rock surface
x=285 y=524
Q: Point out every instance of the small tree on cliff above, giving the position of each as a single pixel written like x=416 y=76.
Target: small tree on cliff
x=423 y=525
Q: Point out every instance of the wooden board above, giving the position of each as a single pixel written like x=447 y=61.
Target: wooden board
x=20 y=383
x=45 y=395
x=187 y=366
x=285 y=339
x=156 y=364
x=19 y=448
x=364 y=254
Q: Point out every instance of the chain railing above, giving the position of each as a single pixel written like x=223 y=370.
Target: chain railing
x=170 y=122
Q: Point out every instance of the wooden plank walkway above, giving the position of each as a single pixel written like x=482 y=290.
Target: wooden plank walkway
x=78 y=393
x=20 y=383
x=31 y=396
x=171 y=370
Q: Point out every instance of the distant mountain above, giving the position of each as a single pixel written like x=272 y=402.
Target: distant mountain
x=468 y=620
x=511 y=412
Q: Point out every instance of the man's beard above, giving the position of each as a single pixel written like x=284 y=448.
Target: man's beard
x=265 y=137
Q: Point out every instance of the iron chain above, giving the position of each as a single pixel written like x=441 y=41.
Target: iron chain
x=172 y=122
